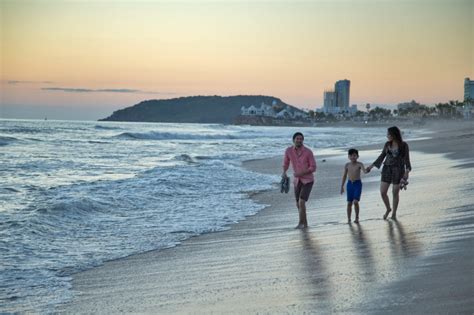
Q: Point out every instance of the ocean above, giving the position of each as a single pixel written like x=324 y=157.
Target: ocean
x=75 y=194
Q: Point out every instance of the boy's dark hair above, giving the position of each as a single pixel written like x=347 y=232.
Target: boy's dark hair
x=297 y=134
x=352 y=151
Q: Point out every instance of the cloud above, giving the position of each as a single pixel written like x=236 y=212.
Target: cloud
x=28 y=82
x=85 y=90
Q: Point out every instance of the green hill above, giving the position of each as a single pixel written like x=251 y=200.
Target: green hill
x=194 y=109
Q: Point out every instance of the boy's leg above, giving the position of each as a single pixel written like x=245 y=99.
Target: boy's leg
x=356 y=208
x=383 y=192
x=357 y=194
x=349 y=211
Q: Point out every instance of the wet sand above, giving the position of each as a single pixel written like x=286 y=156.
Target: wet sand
x=421 y=263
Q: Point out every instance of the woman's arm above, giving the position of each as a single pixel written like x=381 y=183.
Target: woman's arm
x=406 y=160
x=378 y=162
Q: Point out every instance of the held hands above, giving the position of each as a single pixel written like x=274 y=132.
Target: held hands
x=369 y=168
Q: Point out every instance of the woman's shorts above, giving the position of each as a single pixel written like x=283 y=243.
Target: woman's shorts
x=391 y=174
x=302 y=191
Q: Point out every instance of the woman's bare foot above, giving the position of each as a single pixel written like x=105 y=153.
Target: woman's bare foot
x=386 y=214
x=300 y=226
x=394 y=217
x=356 y=220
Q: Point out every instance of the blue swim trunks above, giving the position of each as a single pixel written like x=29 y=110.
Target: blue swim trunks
x=354 y=190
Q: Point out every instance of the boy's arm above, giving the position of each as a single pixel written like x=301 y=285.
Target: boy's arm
x=344 y=176
x=363 y=168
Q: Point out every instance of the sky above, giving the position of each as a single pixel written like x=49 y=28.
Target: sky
x=85 y=59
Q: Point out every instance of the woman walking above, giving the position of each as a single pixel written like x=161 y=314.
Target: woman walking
x=396 y=168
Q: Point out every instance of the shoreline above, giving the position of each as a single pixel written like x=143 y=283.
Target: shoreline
x=152 y=287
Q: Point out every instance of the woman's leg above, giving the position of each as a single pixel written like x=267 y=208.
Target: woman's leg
x=383 y=192
x=395 y=193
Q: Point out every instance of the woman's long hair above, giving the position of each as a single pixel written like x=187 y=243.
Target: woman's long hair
x=395 y=133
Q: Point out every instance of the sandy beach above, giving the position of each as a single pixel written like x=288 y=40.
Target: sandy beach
x=421 y=263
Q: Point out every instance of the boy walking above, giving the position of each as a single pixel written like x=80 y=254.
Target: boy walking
x=354 y=184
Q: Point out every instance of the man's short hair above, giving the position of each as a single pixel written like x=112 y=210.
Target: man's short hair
x=352 y=151
x=297 y=134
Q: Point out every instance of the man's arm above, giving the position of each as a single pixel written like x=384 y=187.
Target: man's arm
x=286 y=163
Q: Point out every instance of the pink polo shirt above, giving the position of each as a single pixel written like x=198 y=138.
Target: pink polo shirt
x=301 y=159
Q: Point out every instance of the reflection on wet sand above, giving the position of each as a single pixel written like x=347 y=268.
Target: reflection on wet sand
x=314 y=269
x=363 y=251
x=402 y=243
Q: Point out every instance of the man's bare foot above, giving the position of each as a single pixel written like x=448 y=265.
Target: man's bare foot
x=300 y=226
x=356 y=220
x=386 y=214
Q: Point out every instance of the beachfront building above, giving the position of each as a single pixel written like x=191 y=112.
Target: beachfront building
x=263 y=110
x=468 y=89
x=284 y=114
x=268 y=111
x=330 y=106
x=353 y=109
x=337 y=101
x=468 y=98
x=408 y=106
x=342 y=89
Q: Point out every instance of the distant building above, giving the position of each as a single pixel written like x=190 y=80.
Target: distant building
x=342 y=89
x=330 y=106
x=267 y=111
x=263 y=110
x=337 y=101
x=468 y=89
x=353 y=109
x=408 y=105
x=285 y=114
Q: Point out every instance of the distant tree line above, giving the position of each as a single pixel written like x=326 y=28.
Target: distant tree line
x=449 y=110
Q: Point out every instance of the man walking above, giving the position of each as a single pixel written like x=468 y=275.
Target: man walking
x=304 y=165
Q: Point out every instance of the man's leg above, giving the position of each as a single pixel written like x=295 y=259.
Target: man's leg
x=383 y=192
x=302 y=210
x=298 y=188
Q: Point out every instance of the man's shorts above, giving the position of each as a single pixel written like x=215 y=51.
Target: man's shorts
x=302 y=191
x=354 y=190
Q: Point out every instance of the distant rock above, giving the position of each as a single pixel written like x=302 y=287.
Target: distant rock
x=194 y=109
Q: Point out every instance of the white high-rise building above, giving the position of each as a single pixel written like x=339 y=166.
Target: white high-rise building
x=337 y=101
x=330 y=102
x=342 y=89
x=468 y=89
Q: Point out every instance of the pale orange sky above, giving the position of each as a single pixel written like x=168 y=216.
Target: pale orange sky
x=392 y=51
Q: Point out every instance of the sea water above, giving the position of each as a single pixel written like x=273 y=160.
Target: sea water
x=75 y=194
